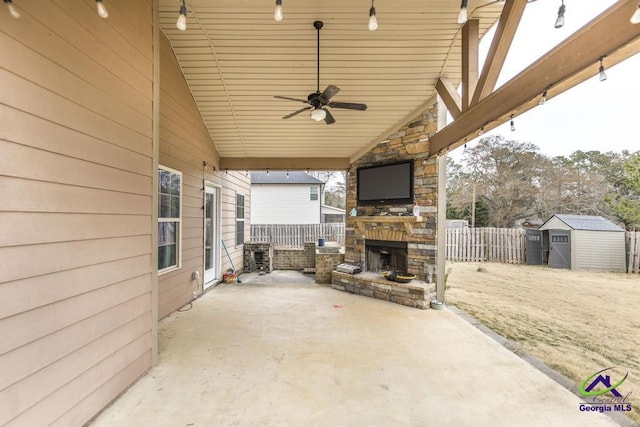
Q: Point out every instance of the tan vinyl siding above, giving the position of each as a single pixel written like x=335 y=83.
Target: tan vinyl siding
x=184 y=146
x=75 y=215
x=598 y=251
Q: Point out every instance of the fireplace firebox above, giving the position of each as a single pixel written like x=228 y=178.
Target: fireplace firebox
x=381 y=255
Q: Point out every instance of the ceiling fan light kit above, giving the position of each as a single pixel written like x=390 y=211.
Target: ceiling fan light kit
x=318 y=114
x=318 y=101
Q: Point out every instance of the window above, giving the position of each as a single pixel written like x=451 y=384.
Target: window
x=559 y=239
x=239 y=219
x=169 y=219
x=314 y=192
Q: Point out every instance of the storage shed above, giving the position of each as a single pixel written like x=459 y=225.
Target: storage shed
x=582 y=242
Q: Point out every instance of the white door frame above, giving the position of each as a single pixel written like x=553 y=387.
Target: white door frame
x=213 y=277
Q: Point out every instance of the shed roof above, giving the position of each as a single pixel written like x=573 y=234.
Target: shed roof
x=587 y=222
x=281 y=177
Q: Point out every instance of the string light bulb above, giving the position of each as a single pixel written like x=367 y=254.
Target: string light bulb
x=512 y=124
x=12 y=9
x=102 y=10
x=462 y=16
x=635 y=18
x=560 y=18
x=543 y=98
x=267 y=171
x=603 y=75
x=373 y=21
x=181 y=23
x=277 y=14
x=481 y=131
x=287 y=174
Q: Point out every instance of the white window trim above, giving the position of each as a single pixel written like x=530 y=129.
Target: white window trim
x=179 y=220
x=311 y=193
x=244 y=220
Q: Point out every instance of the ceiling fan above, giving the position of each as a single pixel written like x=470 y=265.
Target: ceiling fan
x=318 y=101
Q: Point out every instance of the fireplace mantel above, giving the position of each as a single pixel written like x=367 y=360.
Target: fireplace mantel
x=407 y=221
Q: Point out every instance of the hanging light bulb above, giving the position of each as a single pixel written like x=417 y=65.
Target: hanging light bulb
x=181 y=23
x=635 y=18
x=102 y=11
x=481 y=131
x=287 y=174
x=277 y=15
x=543 y=98
x=603 y=75
x=373 y=21
x=560 y=18
x=267 y=171
x=12 y=9
x=318 y=114
x=512 y=124
x=462 y=16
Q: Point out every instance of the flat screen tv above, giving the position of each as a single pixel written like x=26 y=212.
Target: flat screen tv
x=387 y=184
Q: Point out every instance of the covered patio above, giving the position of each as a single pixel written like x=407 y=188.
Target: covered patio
x=125 y=146
x=301 y=354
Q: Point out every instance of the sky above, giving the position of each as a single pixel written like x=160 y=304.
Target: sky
x=594 y=115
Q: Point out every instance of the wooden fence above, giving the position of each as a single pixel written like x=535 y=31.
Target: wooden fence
x=633 y=251
x=295 y=235
x=463 y=244
x=486 y=244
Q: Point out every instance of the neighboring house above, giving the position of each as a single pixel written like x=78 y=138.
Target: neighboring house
x=331 y=214
x=285 y=198
x=579 y=242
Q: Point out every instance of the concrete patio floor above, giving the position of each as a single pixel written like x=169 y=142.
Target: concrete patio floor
x=277 y=354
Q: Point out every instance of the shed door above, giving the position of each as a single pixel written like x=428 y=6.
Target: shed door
x=534 y=247
x=560 y=249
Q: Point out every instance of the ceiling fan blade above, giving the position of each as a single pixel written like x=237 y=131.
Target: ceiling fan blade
x=328 y=119
x=329 y=92
x=348 y=105
x=295 y=113
x=291 y=99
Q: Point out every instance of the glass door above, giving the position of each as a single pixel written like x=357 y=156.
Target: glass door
x=211 y=236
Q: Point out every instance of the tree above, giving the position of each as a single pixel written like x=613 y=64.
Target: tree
x=514 y=182
x=626 y=203
x=335 y=189
x=507 y=176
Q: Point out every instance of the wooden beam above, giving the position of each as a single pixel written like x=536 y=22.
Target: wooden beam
x=506 y=29
x=470 y=65
x=566 y=65
x=449 y=96
x=284 y=163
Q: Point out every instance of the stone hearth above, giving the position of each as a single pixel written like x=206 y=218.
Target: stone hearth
x=412 y=294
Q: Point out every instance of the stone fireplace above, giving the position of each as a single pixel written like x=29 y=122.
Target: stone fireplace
x=378 y=237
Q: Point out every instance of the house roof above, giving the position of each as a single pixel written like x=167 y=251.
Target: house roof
x=280 y=177
x=587 y=222
x=326 y=209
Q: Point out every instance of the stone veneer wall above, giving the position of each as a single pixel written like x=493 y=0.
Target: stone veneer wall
x=408 y=143
x=325 y=264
